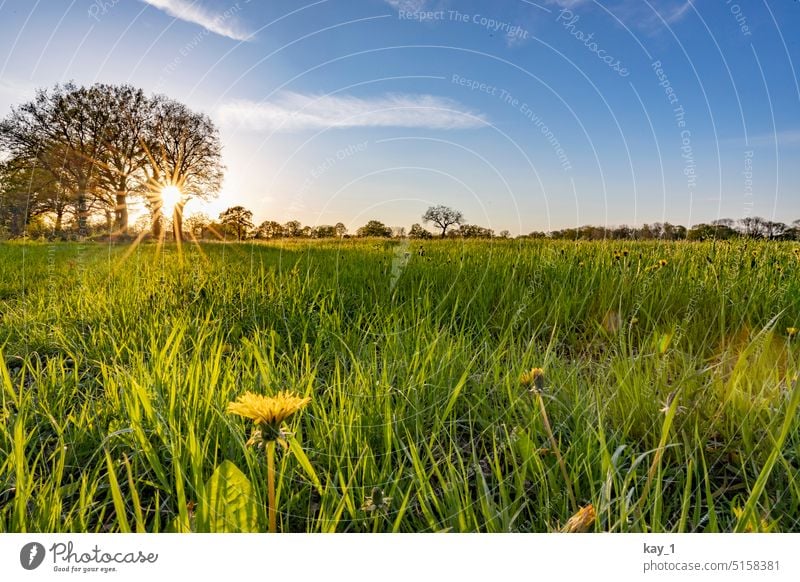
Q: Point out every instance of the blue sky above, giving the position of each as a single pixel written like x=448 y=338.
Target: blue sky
x=524 y=115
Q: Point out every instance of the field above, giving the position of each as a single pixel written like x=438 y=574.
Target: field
x=669 y=399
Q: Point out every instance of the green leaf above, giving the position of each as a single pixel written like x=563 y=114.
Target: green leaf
x=305 y=463
x=229 y=504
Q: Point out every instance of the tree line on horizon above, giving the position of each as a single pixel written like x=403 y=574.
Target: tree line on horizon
x=237 y=223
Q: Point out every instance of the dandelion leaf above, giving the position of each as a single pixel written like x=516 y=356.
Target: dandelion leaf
x=229 y=505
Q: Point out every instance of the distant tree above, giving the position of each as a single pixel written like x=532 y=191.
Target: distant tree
x=141 y=225
x=293 y=229
x=196 y=223
x=341 y=229
x=239 y=219
x=752 y=226
x=443 y=217
x=505 y=234
x=726 y=222
x=323 y=231
x=472 y=231
x=701 y=231
x=794 y=232
x=374 y=228
x=269 y=229
x=418 y=232
x=774 y=230
x=622 y=232
x=398 y=231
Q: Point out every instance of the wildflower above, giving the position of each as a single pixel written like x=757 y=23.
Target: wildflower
x=268 y=412
x=763 y=526
x=376 y=502
x=581 y=521
x=534 y=380
x=792 y=331
x=662 y=263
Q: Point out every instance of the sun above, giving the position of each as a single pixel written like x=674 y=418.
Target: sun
x=170 y=198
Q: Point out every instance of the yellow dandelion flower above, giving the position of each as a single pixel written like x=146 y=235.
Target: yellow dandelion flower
x=581 y=522
x=268 y=411
x=792 y=331
x=738 y=513
x=533 y=379
x=662 y=263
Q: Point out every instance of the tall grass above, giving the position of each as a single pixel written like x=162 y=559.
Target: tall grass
x=671 y=391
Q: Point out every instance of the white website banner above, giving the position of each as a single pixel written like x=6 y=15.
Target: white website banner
x=462 y=557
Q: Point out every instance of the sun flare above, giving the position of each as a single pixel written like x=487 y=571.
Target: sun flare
x=170 y=198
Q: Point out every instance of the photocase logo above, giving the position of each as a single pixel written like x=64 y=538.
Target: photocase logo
x=31 y=555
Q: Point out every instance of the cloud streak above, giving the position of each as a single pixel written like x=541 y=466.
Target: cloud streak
x=223 y=24
x=785 y=138
x=637 y=12
x=298 y=112
x=407 y=5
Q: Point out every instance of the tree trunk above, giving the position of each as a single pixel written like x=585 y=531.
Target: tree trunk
x=177 y=223
x=121 y=213
x=83 y=216
x=18 y=223
x=59 y=221
x=156 y=228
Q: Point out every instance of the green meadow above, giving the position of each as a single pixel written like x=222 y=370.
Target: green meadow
x=669 y=400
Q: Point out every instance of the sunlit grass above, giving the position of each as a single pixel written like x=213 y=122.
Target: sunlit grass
x=670 y=400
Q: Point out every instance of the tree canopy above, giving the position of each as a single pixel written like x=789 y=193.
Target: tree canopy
x=443 y=217
x=91 y=148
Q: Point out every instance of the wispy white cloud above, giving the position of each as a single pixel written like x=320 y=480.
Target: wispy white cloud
x=787 y=137
x=224 y=23
x=407 y=5
x=297 y=112
x=676 y=12
x=566 y=3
